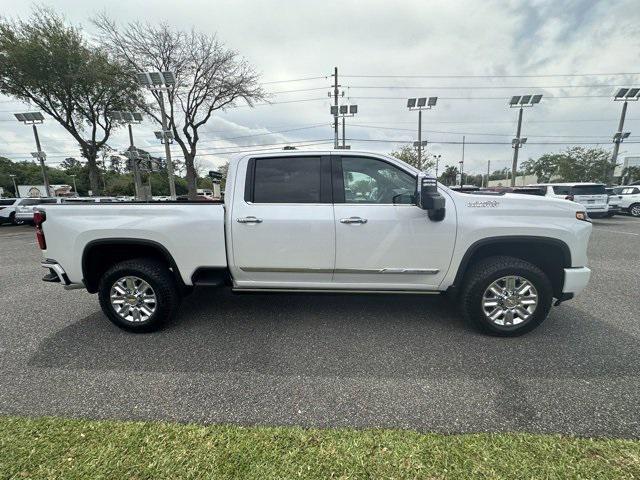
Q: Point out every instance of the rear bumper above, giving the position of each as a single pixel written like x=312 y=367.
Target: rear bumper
x=576 y=279
x=57 y=274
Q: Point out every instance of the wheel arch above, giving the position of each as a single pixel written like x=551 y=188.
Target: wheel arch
x=549 y=254
x=99 y=255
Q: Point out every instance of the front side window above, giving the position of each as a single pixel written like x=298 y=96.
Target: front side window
x=368 y=180
x=287 y=180
x=588 y=190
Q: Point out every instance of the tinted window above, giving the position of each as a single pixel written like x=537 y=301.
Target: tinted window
x=28 y=202
x=47 y=200
x=588 y=190
x=561 y=190
x=629 y=191
x=7 y=202
x=78 y=200
x=368 y=180
x=287 y=180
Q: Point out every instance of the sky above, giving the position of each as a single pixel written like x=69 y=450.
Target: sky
x=472 y=55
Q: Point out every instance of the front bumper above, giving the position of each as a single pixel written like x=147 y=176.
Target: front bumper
x=57 y=274
x=576 y=279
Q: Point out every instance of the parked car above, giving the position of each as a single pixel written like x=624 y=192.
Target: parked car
x=630 y=199
x=592 y=196
x=287 y=225
x=614 y=202
x=12 y=210
x=24 y=211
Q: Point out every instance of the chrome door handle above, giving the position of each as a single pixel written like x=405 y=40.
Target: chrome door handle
x=353 y=220
x=249 y=220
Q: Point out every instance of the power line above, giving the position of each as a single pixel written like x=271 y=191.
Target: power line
x=476 y=87
x=547 y=75
x=303 y=79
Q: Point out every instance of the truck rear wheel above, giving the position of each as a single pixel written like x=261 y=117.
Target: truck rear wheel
x=506 y=296
x=138 y=295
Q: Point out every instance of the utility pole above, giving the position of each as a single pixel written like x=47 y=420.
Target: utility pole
x=41 y=157
x=335 y=104
x=420 y=104
x=520 y=101
x=617 y=140
x=15 y=187
x=516 y=147
x=167 y=147
x=75 y=189
x=437 y=157
x=488 y=171
x=134 y=164
x=462 y=162
x=344 y=143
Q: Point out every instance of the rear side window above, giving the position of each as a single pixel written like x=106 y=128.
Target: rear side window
x=30 y=202
x=588 y=190
x=287 y=180
x=47 y=200
x=7 y=202
x=561 y=190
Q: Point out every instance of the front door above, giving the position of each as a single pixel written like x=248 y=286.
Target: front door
x=383 y=240
x=282 y=223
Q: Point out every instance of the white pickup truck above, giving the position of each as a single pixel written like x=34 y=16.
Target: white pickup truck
x=324 y=221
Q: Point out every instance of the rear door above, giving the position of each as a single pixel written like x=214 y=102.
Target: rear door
x=383 y=239
x=282 y=222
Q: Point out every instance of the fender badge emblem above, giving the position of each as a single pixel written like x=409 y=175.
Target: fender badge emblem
x=483 y=204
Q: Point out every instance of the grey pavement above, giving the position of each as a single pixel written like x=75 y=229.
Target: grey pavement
x=329 y=360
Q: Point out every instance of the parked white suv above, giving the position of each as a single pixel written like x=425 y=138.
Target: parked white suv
x=11 y=207
x=592 y=196
x=630 y=201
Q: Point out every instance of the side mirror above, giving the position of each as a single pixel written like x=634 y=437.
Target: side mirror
x=429 y=199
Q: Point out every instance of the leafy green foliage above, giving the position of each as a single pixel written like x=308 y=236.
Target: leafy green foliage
x=48 y=63
x=576 y=164
x=409 y=154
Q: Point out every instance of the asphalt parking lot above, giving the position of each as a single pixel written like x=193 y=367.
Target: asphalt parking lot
x=329 y=360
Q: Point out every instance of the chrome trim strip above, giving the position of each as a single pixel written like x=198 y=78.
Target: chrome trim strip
x=334 y=290
x=416 y=271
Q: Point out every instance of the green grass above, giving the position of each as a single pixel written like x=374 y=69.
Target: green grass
x=87 y=449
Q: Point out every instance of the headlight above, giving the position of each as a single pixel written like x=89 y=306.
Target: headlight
x=583 y=216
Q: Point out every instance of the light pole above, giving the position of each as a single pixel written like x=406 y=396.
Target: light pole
x=625 y=95
x=343 y=111
x=519 y=102
x=420 y=104
x=75 y=189
x=437 y=157
x=33 y=119
x=15 y=188
x=131 y=118
x=160 y=82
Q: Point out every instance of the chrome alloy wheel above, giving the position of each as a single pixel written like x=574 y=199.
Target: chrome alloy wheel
x=509 y=301
x=635 y=210
x=133 y=299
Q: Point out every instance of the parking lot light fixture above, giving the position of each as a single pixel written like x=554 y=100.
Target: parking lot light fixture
x=625 y=95
x=33 y=119
x=343 y=111
x=159 y=82
x=421 y=103
x=520 y=102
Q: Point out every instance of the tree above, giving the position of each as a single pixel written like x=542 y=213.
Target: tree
x=48 y=63
x=209 y=77
x=629 y=174
x=449 y=175
x=544 y=167
x=409 y=154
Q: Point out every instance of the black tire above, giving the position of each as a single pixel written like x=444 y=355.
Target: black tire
x=13 y=220
x=162 y=282
x=482 y=274
x=634 y=210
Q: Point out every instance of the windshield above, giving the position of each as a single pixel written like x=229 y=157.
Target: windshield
x=588 y=190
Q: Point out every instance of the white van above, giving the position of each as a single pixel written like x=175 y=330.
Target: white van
x=592 y=196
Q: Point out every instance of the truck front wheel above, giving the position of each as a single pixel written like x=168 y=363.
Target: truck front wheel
x=506 y=296
x=138 y=295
